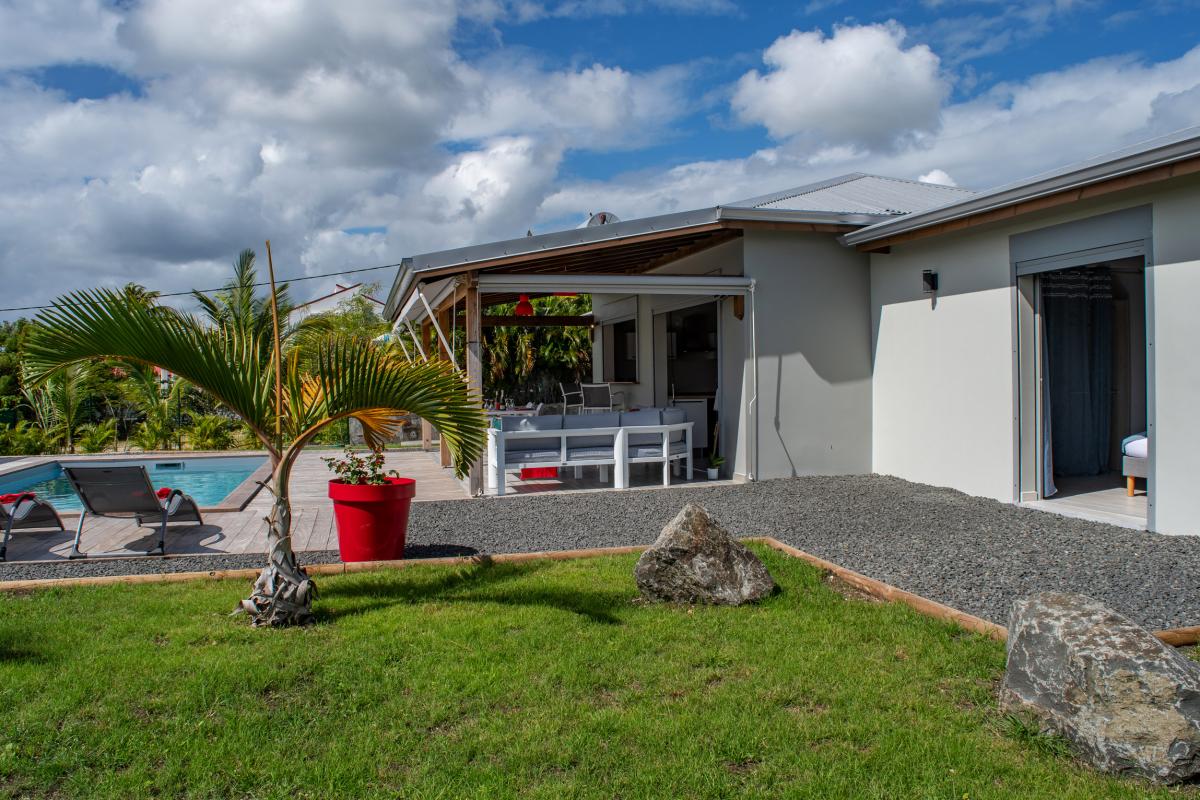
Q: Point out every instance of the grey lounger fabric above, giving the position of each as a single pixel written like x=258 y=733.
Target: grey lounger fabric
x=27 y=511
x=124 y=491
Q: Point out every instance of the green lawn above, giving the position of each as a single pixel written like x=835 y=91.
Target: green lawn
x=541 y=680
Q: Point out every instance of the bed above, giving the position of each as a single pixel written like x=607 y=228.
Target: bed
x=1135 y=452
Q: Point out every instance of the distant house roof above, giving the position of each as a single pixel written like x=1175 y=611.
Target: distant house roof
x=859 y=193
x=330 y=301
x=1167 y=156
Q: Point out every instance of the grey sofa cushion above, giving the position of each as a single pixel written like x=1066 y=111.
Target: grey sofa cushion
x=590 y=453
x=577 y=421
x=655 y=451
x=550 y=422
x=674 y=416
x=529 y=456
x=647 y=416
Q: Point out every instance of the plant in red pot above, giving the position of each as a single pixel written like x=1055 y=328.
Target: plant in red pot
x=371 y=508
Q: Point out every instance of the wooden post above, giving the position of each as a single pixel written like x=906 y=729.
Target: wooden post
x=445 y=314
x=427 y=341
x=474 y=359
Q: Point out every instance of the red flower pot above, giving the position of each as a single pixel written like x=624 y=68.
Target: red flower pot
x=372 y=520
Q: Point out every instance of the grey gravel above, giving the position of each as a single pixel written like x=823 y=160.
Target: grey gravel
x=971 y=553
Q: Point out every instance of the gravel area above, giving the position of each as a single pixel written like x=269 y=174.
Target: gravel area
x=974 y=554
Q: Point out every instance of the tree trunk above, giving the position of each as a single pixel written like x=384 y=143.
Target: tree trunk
x=283 y=594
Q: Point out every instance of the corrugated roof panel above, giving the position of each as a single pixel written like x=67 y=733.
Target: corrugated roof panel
x=861 y=194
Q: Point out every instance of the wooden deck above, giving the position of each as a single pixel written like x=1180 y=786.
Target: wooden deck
x=237 y=531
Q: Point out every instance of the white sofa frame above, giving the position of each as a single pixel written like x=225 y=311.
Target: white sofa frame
x=499 y=461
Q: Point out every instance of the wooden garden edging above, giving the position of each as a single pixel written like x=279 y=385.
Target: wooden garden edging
x=1176 y=637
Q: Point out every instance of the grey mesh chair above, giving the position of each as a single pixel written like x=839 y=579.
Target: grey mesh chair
x=597 y=398
x=26 y=511
x=572 y=396
x=126 y=492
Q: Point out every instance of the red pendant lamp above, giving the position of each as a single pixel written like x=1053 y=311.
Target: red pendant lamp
x=524 y=307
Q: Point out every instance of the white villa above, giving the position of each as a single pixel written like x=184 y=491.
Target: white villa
x=1033 y=343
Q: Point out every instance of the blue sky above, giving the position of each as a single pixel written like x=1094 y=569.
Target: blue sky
x=151 y=140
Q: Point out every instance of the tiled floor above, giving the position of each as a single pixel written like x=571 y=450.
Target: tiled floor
x=1101 y=499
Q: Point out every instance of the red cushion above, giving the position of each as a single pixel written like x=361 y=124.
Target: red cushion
x=11 y=498
x=164 y=492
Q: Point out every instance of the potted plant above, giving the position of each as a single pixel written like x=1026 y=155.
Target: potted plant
x=714 y=467
x=370 y=508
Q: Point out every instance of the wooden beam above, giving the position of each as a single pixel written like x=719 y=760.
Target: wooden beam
x=1118 y=184
x=495 y=320
x=444 y=316
x=474 y=358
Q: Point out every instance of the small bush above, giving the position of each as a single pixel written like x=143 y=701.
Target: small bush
x=210 y=432
x=24 y=439
x=98 y=438
x=152 y=435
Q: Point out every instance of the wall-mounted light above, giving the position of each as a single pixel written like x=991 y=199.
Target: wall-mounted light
x=929 y=281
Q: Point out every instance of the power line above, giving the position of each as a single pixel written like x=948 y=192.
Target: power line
x=226 y=288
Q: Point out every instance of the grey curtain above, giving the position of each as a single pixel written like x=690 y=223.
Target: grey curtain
x=1077 y=309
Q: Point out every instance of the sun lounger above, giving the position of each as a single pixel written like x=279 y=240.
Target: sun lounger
x=126 y=492
x=24 y=510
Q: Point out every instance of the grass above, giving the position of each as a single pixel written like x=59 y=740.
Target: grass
x=538 y=680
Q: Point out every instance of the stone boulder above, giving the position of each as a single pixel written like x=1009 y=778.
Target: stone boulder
x=1128 y=702
x=694 y=560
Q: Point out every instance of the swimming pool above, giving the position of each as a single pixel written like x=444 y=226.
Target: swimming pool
x=208 y=480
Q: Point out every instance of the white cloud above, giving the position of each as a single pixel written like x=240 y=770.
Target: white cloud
x=860 y=85
x=33 y=34
x=938 y=176
x=253 y=125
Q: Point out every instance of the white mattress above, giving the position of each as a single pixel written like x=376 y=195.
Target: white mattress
x=1138 y=448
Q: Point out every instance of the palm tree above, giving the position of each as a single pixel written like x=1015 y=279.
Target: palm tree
x=340 y=377
x=57 y=403
x=238 y=305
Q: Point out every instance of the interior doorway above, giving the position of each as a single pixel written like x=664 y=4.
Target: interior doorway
x=691 y=380
x=1086 y=357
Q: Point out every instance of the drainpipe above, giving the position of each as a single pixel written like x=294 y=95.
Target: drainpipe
x=753 y=405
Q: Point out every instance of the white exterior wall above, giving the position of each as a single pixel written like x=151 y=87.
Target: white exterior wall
x=1174 y=285
x=814 y=367
x=944 y=400
x=943 y=371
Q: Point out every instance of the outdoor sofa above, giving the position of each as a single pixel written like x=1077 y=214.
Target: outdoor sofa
x=613 y=439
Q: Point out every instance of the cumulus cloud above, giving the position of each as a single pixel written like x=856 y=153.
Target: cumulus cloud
x=938 y=176
x=298 y=119
x=860 y=85
x=1013 y=131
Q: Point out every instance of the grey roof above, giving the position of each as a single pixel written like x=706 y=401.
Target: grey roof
x=859 y=193
x=1157 y=152
x=854 y=199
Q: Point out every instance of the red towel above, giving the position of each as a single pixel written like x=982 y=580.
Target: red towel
x=12 y=498
x=164 y=492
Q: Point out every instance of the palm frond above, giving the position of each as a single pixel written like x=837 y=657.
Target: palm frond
x=352 y=377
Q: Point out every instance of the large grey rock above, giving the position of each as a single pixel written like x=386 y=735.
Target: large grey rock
x=694 y=560
x=1128 y=702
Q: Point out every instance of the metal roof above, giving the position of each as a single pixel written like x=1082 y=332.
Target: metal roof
x=859 y=193
x=850 y=200
x=1161 y=151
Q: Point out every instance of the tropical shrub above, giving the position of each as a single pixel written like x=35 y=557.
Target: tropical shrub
x=99 y=437
x=210 y=432
x=153 y=434
x=24 y=439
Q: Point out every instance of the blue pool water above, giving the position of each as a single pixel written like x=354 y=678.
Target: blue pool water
x=209 y=480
